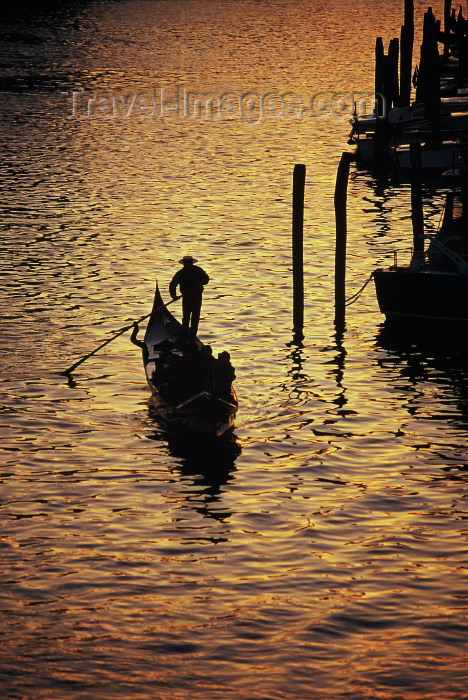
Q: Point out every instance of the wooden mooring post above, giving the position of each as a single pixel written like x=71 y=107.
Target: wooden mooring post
x=447 y=13
x=341 y=188
x=383 y=104
x=299 y=176
x=417 y=213
x=406 y=54
x=428 y=84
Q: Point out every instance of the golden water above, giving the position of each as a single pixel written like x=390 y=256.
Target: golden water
x=320 y=554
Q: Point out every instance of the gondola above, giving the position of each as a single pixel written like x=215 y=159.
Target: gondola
x=189 y=387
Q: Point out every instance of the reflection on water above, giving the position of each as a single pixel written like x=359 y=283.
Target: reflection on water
x=209 y=460
x=320 y=551
x=424 y=358
x=339 y=360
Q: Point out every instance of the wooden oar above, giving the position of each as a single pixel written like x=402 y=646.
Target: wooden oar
x=116 y=335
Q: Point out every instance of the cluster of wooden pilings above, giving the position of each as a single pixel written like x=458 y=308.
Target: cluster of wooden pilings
x=419 y=125
x=429 y=134
x=424 y=136
x=427 y=105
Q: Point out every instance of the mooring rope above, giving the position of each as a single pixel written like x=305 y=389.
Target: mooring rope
x=356 y=296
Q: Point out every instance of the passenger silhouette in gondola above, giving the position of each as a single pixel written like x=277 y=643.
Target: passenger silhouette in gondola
x=205 y=367
x=225 y=374
x=191 y=280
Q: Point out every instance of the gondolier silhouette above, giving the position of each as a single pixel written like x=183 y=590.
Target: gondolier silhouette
x=190 y=279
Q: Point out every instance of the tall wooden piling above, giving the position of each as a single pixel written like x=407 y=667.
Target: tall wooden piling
x=428 y=87
x=379 y=79
x=299 y=175
x=417 y=214
x=382 y=106
x=447 y=13
x=406 y=54
x=392 y=86
x=341 y=235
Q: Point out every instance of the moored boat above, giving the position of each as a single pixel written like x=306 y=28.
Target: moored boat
x=434 y=286
x=397 y=119
x=423 y=296
x=442 y=156
x=189 y=387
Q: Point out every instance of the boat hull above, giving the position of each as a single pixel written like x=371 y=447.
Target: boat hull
x=426 y=296
x=202 y=414
x=439 y=158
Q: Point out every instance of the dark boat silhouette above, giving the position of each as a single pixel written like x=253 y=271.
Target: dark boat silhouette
x=189 y=388
x=433 y=287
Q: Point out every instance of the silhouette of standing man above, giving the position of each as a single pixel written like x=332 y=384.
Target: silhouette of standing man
x=190 y=280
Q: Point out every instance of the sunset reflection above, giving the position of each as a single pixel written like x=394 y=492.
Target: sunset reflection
x=318 y=551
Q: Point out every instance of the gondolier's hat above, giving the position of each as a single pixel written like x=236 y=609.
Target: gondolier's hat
x=188 y=259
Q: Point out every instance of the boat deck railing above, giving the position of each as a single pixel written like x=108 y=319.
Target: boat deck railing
x=421 y=260
x=459 y=260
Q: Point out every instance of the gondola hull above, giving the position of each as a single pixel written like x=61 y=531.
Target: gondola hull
x=200 y=414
